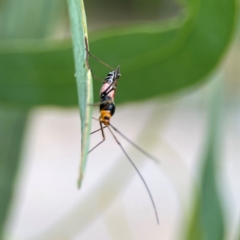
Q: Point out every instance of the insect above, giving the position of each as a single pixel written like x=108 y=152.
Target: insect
x=107 y=109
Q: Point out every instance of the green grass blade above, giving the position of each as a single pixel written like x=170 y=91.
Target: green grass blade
x=208 y=219
x=12 y=122
x=83 y=76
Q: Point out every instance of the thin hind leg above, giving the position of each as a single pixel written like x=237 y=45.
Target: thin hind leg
x=103 y=136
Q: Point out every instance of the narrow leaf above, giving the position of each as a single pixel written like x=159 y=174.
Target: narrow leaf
x=12 y=122
x=208 y=220
x=83 y=76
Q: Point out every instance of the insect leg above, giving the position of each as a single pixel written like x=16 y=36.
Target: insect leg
x=99 y=103
x=97 y=78
x=103 y=135
x=109 y=89
x=97 y=130
x=140 y=175
x=135 y=145
x=99 y=60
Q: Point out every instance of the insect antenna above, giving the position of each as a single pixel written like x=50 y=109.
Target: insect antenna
x=140 y=175
x=135 y=145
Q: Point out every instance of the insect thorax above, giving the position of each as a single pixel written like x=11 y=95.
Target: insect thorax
x=110 y=77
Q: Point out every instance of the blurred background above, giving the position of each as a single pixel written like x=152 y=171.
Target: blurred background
x=178 y=98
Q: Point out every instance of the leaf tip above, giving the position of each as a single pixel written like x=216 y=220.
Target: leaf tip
x=79 y=183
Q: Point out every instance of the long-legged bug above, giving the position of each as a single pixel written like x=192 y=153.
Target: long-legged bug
x=107 y=110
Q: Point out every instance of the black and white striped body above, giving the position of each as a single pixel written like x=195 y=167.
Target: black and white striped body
x=107 y=92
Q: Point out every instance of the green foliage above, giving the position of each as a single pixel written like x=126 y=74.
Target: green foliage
x=167 y=60
x=208 y=220
x=83 y=76
x=20 y=20
x=147 y=55
x=27 y=19
x=12 y=122
x=40 y=77
x=156 y=59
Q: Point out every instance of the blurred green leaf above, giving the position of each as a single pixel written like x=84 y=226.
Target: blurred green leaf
x=83 y=75
x=32 y=75
x=12 y=122
x=27 y=19
x=155 y=61
x=207 y=222
x=18 y=19
x=165 y=58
